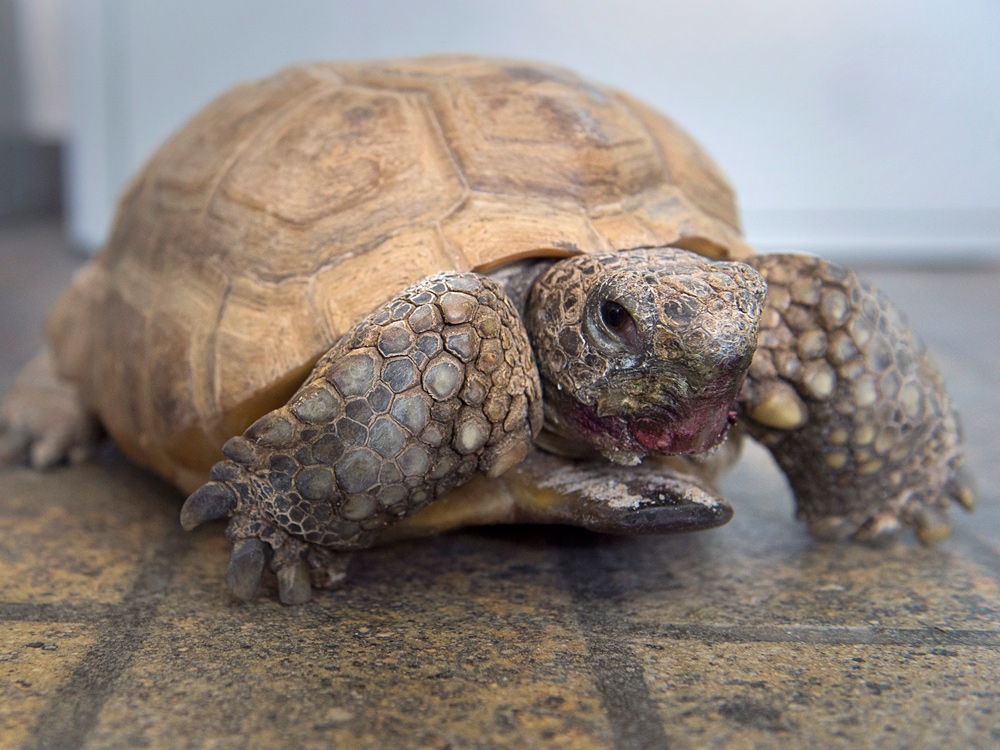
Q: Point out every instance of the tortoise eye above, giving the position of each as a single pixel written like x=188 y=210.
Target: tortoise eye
x=613 y=315
x=619 y=321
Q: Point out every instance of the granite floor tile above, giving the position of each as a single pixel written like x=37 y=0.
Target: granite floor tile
x=793 y=695
x=36 y=659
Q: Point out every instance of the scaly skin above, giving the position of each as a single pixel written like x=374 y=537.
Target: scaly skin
x=845 y=396
x=43 y=421
x=666 y=380
x=434 y=386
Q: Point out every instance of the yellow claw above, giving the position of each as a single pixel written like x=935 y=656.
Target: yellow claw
x=780 y=407
x=932 y=526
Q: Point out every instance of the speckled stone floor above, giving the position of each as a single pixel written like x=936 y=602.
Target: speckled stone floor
x=116 y=630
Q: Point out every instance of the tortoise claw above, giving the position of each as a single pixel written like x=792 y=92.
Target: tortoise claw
x=50 y=449
x=246 y=566
x=43 y=421
x=962 y=489
x=831 y=528
x=294 y=584
x=881 y=530
x=208 y=503
x=932 y=525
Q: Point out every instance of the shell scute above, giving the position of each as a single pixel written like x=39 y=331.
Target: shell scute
x=192 y=160
x=549 y=134
x=346 y=154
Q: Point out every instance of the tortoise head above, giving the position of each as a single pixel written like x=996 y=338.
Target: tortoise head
x=643 y=352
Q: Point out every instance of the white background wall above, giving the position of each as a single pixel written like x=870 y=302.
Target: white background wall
x=41 y=36
x=846 y=125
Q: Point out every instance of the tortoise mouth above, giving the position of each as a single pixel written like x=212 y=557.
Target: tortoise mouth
x=705 y=426
x=657 y=430
x=640 y=414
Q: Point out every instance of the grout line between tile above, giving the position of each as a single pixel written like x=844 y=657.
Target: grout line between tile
x=808 y=634
x=73 y=710
x=618 y=674
x=55 y=612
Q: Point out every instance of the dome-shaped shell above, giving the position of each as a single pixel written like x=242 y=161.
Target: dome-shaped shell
x=289 y=208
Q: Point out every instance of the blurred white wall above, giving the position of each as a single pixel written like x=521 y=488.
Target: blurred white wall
x=846 y=125
x=41 y=30
x=30 y=129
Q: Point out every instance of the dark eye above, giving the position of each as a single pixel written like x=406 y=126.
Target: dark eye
x=614 y=315
x=618 y=320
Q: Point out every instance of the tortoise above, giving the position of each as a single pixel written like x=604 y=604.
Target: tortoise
x=358 y=302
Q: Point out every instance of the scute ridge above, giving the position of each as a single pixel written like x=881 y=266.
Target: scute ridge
x=258 y=133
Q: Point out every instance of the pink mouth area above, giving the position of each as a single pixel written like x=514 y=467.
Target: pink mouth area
x=704 y=427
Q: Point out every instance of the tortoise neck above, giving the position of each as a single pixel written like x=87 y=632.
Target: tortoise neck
x=518 y=277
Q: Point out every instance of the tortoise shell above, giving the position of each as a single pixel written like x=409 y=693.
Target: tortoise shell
x=291 y=207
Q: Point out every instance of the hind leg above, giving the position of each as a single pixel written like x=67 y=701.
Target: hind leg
x=846 y=398
x=42 y=420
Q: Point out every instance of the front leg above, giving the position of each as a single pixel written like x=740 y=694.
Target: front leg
x=845 y=396
x=435 y=386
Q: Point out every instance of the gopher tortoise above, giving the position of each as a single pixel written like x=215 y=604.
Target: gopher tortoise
x=357 y=302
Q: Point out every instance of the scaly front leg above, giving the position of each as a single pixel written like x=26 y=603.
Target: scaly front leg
x=845 y=396
x=437 y=385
